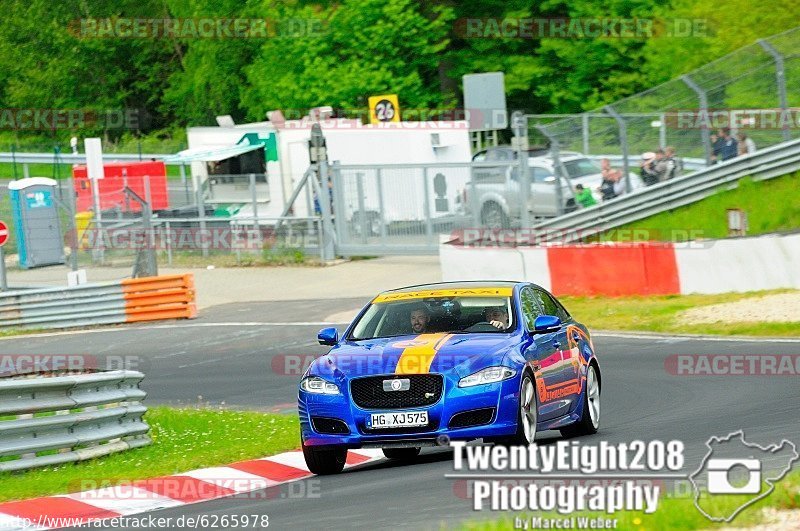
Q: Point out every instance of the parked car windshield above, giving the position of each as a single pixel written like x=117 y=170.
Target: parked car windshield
x=581 y=168
x=451 y=314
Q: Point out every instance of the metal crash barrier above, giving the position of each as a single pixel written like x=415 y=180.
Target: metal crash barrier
x=51 y=420
x=126 y=301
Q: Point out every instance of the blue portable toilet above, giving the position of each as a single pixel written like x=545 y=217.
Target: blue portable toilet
x=35 y=214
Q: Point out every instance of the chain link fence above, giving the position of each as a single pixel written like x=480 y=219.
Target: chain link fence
x=754 y=90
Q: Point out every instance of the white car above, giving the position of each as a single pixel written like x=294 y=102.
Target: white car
x=496 y=189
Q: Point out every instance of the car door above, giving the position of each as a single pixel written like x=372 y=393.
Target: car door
x=564 y=366
x=543 y=191
x=539 y=354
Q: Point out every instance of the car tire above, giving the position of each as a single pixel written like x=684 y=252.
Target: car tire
x=589 y=422
x=401 y=454
x=570 y=206
x=324 y=461
x=527 y=416
x=493 y=217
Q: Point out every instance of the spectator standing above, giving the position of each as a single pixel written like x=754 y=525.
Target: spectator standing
x=746 y=145
x=648 y=171
x=619 y=182
x=729 y=147
x=716 y=148
x=607 y=187
x=660 y=166
x=674 y=164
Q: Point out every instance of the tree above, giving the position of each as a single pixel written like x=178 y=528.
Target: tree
x=349 y=52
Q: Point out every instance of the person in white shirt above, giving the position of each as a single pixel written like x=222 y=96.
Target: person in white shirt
x=746 y=144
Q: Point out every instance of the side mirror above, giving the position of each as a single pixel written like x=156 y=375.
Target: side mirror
x=328 y=336
x=546 y=323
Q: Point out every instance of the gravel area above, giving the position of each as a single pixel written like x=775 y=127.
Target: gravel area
x=773 y=520
x=778 y=308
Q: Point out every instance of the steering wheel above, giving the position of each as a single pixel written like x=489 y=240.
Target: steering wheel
x=483 y=326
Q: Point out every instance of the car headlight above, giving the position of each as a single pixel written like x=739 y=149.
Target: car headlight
x=318 y=386
x=487 y=376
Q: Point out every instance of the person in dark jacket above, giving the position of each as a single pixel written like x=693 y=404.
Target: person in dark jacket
x=729 y=147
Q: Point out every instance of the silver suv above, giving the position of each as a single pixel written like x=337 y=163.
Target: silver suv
x=496 y=188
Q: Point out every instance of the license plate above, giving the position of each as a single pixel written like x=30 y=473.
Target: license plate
x=399 y=419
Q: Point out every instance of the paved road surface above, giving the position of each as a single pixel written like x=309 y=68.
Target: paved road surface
x=226 y=356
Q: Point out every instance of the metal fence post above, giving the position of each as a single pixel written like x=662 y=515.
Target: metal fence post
x=254 y=198
x=339 y=219
x=703 y=100
x=201 y=214
x=72 y=208
x=381 y=206
x=585 y=132
x=325 y=209
x=427 y=206
x=3 y=280
x=520 y=126
x=147 y=222
x=623 y=141
x=780 y=80
x=169 y=244
x=662 y=131
x=557 y=169
x=362 y=209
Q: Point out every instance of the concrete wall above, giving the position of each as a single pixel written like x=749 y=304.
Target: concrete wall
x=645 y=268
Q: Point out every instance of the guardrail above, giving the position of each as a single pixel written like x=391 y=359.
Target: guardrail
x=763 y=164
x=91 y=415
x=68 y=158
x=126 y=301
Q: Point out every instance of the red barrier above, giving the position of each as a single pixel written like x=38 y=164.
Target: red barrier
x=622 y=269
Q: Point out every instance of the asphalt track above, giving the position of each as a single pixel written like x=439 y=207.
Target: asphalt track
x=227 y=356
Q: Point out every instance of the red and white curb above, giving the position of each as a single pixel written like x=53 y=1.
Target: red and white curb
x=195 y=486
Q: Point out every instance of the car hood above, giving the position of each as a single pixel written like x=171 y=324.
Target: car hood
x=414 y=354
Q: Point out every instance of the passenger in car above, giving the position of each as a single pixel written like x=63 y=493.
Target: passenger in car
x=497 y=317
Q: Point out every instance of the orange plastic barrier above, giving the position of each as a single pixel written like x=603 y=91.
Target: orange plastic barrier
x=623 y=269
x=162 y=297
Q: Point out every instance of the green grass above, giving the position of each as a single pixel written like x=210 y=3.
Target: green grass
x=771 y=206
x=652 y=313
x=679 y=513
x=183 y=440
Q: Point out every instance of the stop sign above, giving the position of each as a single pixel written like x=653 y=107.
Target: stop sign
x=3 y=233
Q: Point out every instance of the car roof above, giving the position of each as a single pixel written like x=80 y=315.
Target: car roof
x=465 y=284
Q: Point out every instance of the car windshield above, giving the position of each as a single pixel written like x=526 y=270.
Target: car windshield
x=581 y=168
x=424 y=315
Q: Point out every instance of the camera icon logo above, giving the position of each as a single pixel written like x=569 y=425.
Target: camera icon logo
x=721 y=476
x=735 y=467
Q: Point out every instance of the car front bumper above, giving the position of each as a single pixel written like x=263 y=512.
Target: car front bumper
x=503 y=397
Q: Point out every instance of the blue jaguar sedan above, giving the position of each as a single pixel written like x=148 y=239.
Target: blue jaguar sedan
x=426 y=364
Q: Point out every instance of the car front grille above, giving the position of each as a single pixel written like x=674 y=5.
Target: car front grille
x=423 y=390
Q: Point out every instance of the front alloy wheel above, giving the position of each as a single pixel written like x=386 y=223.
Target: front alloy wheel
x=589 y=422
x=527 y=414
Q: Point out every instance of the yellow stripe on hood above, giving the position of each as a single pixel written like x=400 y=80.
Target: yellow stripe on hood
x=419 y=352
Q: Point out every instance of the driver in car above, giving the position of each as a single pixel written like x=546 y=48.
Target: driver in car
x=419 y=320
x=497 y=317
